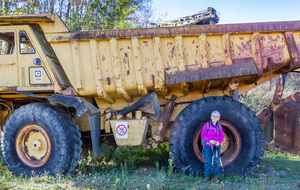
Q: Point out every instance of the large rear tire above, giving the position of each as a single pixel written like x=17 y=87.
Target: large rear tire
x=39 y=138
x=243 y=145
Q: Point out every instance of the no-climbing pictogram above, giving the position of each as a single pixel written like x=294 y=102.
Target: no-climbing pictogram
x=121 y=130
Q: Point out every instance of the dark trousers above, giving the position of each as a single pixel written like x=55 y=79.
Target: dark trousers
x=207 y=153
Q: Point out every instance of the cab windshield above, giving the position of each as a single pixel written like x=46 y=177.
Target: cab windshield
x=45 y=44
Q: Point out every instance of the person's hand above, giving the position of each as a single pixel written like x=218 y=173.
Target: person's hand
x=212 y=142
x=217 y=144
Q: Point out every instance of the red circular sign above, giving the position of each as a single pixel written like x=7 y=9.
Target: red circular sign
x=121 y=130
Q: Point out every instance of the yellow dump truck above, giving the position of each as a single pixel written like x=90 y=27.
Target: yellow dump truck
x=60 y=88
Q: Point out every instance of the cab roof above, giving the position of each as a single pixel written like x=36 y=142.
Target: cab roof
x=50 y=23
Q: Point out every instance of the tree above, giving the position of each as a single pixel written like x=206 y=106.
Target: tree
x=85 y=14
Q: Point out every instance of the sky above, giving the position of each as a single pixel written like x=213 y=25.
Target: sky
x=231 y=11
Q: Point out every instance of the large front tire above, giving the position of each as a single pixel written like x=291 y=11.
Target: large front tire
x=243 y=145
x=39 y=138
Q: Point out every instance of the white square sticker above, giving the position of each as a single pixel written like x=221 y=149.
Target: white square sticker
x=121 y=130
x=37 y=75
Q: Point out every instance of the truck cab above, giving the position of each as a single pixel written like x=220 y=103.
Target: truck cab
x=28 y=62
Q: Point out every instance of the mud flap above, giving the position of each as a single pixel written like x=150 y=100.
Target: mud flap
x=149 y=104
x=95 y=124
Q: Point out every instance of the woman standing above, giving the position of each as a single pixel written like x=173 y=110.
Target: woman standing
x=212 y=135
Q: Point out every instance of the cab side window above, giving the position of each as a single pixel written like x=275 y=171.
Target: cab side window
x=25 y=44
x=7 y=43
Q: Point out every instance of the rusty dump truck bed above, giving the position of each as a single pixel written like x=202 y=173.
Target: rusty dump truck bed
x=115 y=64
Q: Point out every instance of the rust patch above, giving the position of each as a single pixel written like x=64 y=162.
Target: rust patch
x=69 y=92
x=240 y=67
x=184 y=30
x=8 y=88
x=293 y=50
x=126 y=63
x=108 y=81
x=172 y=51
x=287 y=130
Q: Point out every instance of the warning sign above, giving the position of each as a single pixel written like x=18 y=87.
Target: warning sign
x=121 y=130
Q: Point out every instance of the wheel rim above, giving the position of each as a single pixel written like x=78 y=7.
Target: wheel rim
x=33 y=145
x=230 y=147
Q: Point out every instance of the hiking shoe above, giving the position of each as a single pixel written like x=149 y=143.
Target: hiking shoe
x=215 y=179
x=206 y=178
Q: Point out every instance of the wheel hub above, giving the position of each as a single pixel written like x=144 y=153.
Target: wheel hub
x=37 y=144
x=230 y=147
x=33 y=145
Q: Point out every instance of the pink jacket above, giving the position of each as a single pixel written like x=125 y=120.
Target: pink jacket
x=211 y=133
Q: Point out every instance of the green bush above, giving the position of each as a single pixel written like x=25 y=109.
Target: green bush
x=1 y=160
x=2 y=164
x=137 y=156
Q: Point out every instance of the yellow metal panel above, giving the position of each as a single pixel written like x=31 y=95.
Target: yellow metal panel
x=215 y=49
x=191 y=52
x=83 y=123
x=138 y=67
x=117 y=71
x=107 y=70
x=57 y=26
x=97 y=72
x=9 y=70
x=9 y=64
x=148 y=61
x=241 y=46
x=137 y=130
x=297 y=39
x=107 y=126
x=273 y=45
x=48 y=22
x=227 y=49
x=127 y=68
x=63 y=52
x=86 y=66
x=159 y=62
x=180 y=53
x=256 y=51
x=168 y=53
x=203 y=51
x=76 y=63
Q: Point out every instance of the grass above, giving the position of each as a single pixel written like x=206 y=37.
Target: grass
x=277 y=171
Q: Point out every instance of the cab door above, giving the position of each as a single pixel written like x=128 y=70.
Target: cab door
x=8 y=59
x=33 y=73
